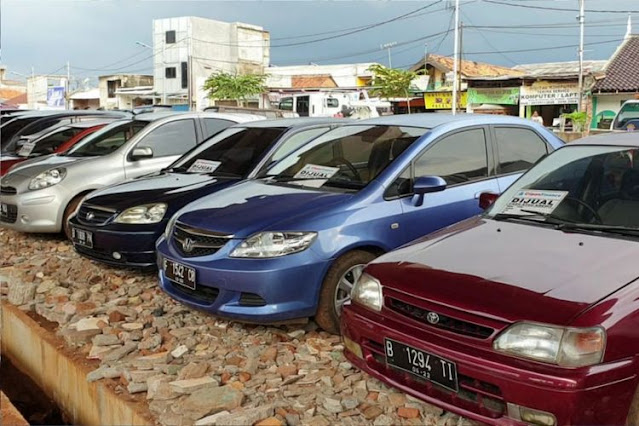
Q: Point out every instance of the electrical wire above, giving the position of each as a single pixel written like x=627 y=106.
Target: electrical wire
x=560 y=9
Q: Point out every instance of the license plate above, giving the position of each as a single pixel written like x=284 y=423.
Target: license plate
x=4 y=209
x=81 y=237
x=422 y=364
x=179 y=273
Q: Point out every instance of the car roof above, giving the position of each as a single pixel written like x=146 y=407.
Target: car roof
x=91 y=123
x=235 y=117
x=294 y=122
x=52 y=113
x=432 y=120
x=611 y=139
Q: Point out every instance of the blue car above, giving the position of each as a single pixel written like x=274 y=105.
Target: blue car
x=291 y=243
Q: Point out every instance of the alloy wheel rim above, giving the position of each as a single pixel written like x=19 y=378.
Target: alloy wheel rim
x=345 y=287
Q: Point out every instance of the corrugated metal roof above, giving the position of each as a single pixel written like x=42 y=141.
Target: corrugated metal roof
x=560 y=69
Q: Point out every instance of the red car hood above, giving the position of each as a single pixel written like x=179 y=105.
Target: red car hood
x=510 y=271
x=7 y=161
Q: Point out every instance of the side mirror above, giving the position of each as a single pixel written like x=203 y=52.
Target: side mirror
x=141 y=153
x=486 y=199
x=426 y=185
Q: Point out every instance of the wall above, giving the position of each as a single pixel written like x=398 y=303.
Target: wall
x=37 y=88
x=126 y=80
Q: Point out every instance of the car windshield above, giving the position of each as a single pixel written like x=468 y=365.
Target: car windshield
x=594 y=187
x=627 y=116
x=107 y=140
x=48 y=143
x=347 y=157
x=234 y=151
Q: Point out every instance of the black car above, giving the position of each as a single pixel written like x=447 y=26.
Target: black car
x=119 y=224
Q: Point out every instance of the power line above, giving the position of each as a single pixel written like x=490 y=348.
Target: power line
x=488 y=41
x=544 y=48
x=561 y=9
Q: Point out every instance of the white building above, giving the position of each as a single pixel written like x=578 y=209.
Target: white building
x=47 y=92
x=126 y=91
x=189 y=49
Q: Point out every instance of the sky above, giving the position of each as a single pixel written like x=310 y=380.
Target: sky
x=92 y=35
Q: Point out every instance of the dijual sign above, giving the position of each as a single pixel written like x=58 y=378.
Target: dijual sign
x=550 y=93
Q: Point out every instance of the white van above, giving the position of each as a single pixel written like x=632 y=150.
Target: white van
x=333 y=104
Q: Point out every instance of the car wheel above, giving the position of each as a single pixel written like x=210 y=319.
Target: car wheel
x=73 y=204
x=337 y=286
x=633 y=412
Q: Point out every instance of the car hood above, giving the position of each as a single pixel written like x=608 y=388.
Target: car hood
x=253 y=206
x=510 y=271
x=175 y=189
x=34 y=166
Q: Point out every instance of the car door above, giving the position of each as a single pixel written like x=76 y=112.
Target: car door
x=463 y=158
x=168 y=142
x=516 y=150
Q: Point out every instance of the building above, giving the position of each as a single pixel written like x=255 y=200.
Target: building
x=85 y=99
x=10 y=89
x=47 y=92
x=438 y=95
x=187 y=50
x=287 y=80
x=619 y=83
x=126 y=91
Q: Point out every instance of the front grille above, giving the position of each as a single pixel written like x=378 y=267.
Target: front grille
x=201 y=293
x=8 y=190
x=443 y=322
x=107 y=256
x=11 y=215
x=251 y=299
x=193 y=242
x=94 y=215
x=474 y=395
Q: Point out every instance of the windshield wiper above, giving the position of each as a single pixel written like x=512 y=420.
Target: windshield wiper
x=596 y=227
x=533 y=216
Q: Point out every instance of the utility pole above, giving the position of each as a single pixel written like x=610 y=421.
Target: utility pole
x=68 y=88
x=460 y=67
x=425 y=57
x=456 y=61
x=190 y=72
x=581 y=55
x=388 y=47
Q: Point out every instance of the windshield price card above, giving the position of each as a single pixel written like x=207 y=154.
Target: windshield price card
x=320 y=174
x=26 y=149
x=530 y=200
x=204 y=166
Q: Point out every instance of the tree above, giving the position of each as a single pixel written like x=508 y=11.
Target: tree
x=222 y=85
x=391 y=82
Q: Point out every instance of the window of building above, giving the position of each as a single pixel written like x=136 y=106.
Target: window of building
x=518 y=149
x=184 y=75
x=170 y=72
x=112 y=86
x=169 y=37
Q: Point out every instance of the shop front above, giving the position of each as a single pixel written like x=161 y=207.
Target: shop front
x=550 y=99
x=493 y=100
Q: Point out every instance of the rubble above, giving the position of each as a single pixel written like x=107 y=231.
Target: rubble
x=193 y=367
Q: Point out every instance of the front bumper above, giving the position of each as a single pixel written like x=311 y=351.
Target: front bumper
x=250 y=290
x=601 y=395
x=36 y=211
x=131 y=249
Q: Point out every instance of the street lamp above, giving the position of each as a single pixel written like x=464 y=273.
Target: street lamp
x=388 y=46
x=139 y=43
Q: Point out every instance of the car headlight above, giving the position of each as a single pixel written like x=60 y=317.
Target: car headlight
x=147 y=213
x=563 y=346
x=48 y=178
x=274 y=244
x=169 y=226
x=367 y=292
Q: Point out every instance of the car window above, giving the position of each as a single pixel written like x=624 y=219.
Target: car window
x=236 y=149
x=458 y=158
x=215 y=125
x=173 y=138
x=50 y=143
x=106 y=140
x=286 y=104
x=295 y=141
x=518 y=149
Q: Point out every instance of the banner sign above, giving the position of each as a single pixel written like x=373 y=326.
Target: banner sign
x=550 y=93
x=55 y=96
x=496 y=95
x=443 y=100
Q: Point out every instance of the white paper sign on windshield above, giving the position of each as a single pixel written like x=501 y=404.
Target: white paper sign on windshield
x=531 y=200
x=204 y=166
x=26 y=149
x=313 y=171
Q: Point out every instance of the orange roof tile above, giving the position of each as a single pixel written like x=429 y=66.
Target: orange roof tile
x=312 y=81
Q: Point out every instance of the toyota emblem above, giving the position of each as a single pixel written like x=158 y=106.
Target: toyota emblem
x=90 y=216
x=432 y=318
x=187 y=245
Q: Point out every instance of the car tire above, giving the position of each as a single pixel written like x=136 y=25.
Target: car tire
x=73 y=204
x=345 y=268
x=633 y=411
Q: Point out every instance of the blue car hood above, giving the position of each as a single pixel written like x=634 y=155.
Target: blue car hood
x=254 y=206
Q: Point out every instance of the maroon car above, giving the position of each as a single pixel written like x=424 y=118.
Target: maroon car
x=528 y=314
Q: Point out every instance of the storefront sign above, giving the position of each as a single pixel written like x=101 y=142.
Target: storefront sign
x=496 y=95
x=550 y=93
x=55 y=96
x=443 y=100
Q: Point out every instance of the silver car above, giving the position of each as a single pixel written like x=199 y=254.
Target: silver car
x=39 y=195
